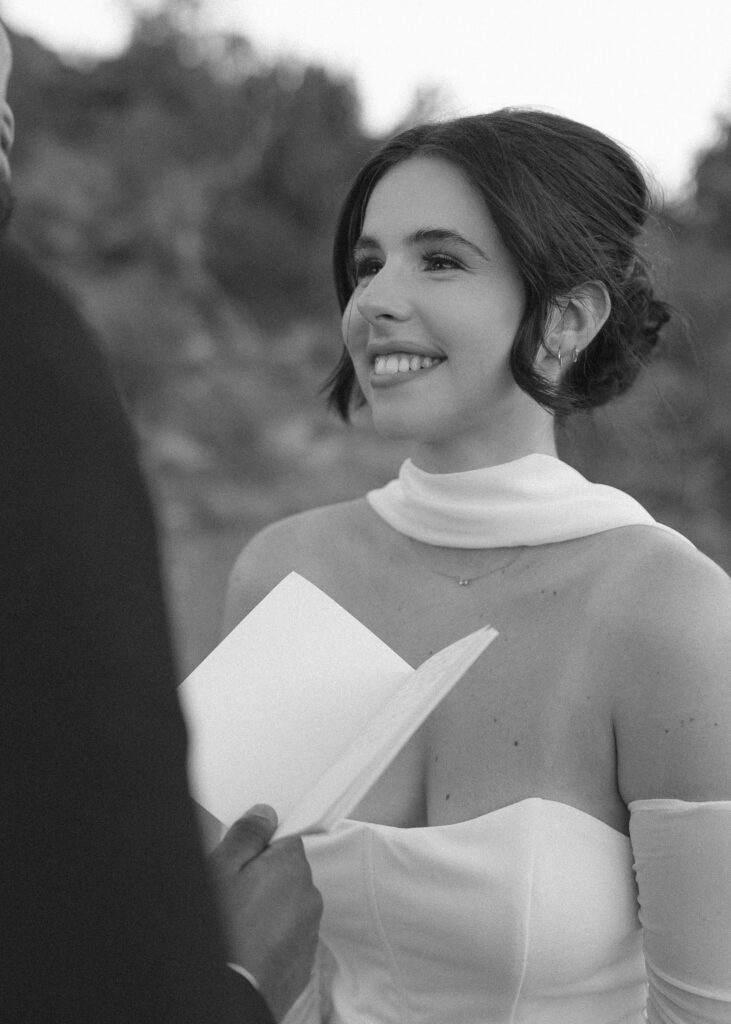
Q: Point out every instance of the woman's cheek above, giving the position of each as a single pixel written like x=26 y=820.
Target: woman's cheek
x=346 y=321
x=355 y=332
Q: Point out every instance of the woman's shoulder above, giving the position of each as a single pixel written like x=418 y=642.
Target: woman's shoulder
x=659 y=599
x=656 y=574
x=306 y=542
x=308 y=531
x=664 y=623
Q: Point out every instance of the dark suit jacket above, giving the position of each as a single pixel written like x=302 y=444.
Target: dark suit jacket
x=105 y=913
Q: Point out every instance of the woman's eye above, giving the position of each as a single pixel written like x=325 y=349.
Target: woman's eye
x=365 y=267
x=440 y=261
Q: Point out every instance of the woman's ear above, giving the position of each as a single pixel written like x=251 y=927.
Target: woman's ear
x=574 y=322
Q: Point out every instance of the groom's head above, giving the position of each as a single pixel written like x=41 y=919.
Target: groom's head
x=7 y=129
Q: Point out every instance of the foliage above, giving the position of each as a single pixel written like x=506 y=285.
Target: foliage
x=187 y=190
x=713 y=189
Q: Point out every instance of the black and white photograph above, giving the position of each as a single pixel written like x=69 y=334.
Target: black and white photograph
x=365 y=469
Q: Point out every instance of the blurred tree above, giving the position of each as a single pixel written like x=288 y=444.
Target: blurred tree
x=271 y=225
x=186 y=190
x=713 y=188
x=680 y=458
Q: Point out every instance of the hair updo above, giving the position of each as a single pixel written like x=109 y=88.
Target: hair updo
x=569 y=204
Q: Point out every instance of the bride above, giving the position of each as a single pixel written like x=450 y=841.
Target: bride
x=554 y=844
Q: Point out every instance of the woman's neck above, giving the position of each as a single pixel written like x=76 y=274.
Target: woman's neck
x=532 y=434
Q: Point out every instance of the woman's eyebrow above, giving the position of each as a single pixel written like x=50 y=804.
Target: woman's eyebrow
x=366 y=242
x=444 y=235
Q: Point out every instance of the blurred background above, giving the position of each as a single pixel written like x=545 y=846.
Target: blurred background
x=179 y=165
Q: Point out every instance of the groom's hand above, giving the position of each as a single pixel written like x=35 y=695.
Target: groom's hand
x=271 y=909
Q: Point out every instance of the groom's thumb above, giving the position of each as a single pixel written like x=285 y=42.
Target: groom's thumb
x=248 y=836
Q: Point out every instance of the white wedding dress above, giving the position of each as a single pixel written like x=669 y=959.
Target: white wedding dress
x=527 y=915
x=524 y=914
x=536 y=913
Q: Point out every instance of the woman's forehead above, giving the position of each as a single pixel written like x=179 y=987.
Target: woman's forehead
x=426 y=193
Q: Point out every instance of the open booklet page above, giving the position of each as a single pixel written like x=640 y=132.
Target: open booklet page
x=302 y=707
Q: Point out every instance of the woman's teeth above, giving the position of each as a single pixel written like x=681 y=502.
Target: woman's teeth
x=403 y=363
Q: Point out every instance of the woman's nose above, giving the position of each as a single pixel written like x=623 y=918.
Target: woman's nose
x=384 y=296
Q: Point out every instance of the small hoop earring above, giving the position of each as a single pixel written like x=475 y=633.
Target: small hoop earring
x=574 y=355
x=556 y=355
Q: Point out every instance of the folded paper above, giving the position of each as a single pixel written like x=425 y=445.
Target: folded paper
x=303 y=707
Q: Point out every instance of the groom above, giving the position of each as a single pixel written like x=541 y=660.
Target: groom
x=105 y=912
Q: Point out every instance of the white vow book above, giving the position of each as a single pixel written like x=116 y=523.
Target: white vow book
x=303 y=707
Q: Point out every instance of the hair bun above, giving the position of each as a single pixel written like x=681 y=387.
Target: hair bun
x=611 y=363
x=646 y=314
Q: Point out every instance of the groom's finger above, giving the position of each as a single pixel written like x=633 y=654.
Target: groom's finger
x=246 y=839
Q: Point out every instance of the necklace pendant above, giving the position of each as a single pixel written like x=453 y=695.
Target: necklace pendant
x=462 y=582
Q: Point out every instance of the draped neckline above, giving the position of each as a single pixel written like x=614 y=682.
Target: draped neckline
x=528 y=804
x=537 y=499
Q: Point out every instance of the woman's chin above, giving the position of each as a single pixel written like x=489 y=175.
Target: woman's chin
x=392 y=420
x=395 y=425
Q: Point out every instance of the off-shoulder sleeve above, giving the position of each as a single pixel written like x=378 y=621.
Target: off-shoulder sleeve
x=682 y=860
x=305 y=1009
x=313 y=1005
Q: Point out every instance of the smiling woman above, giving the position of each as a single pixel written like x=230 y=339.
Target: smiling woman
x=489 y=280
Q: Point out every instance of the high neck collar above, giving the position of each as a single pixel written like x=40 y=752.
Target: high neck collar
x=533 y=500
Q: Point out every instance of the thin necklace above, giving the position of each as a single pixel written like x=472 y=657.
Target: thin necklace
x=464 y=581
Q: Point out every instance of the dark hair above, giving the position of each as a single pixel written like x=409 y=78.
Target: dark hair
x=569 y=204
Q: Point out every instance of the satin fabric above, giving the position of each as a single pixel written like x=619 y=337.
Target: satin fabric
x=526 y=914
x=536 y=913
x=682 y=855
x=534 y=500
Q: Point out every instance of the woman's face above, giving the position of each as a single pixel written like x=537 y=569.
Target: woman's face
x=432 y=319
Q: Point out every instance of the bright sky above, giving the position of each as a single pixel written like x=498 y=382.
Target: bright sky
x=654 y=74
